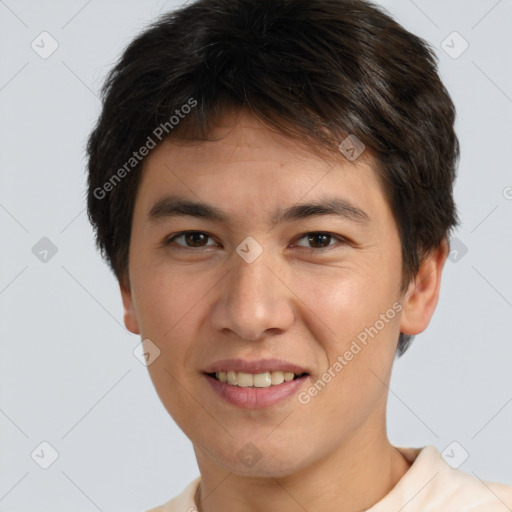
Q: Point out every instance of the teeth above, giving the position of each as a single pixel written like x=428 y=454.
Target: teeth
x=257 y=380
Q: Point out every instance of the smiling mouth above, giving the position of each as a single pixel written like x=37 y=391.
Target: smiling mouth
x=255 y=380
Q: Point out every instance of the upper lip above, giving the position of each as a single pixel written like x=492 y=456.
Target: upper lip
x=257 y=366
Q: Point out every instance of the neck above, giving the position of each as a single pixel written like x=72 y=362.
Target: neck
x=350 y=479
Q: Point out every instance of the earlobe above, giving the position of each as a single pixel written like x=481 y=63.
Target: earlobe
x=129 y=317
x=422 y=296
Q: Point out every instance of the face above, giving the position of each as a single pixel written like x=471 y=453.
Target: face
x=265 y=289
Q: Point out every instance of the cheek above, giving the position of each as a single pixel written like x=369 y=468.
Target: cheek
x=359 y=347
x=169 y=305
x=340 y=302
x=170 y=311
x=354 y=315
x=165 y=298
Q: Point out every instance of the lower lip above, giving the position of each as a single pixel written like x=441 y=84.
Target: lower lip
x=255 y=398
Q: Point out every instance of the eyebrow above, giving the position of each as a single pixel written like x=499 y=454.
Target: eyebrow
x=172 y=206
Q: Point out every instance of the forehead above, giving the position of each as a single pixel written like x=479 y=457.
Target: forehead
x=239 y=133
x=249 y=167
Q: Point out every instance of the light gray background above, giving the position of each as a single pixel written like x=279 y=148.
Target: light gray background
x=68 y=374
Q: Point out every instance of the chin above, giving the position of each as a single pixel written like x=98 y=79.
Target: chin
x=274 y=468
x=263 y=462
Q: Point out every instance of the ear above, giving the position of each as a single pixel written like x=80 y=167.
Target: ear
x=421 y=298
x=130 y=317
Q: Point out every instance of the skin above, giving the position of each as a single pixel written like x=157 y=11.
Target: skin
x=202 y=302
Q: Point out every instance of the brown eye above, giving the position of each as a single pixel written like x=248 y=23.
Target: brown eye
x=319 y=240
x=192 y=239
x=195 y=239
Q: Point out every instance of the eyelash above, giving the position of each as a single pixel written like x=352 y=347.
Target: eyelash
x=169 y=240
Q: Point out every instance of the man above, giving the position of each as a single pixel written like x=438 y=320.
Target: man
x=271 y=182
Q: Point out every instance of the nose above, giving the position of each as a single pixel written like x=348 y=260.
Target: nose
x=253 y=300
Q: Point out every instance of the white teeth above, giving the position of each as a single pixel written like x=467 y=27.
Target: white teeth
x=262 y=380
x=288 y=376
x=244 y=380
x=277 y=377
x=258 y=380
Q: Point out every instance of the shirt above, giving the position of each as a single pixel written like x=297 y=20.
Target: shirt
x=430 y=485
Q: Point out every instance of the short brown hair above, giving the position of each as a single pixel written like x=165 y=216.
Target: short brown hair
x=317 y=71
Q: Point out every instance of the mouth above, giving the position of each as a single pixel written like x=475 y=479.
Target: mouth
x=255 y=380
x=255 y=390
x=255 y=384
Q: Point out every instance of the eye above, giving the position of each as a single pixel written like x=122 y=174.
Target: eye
x=192 y=239
x=317 y=240
x=320 y=239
